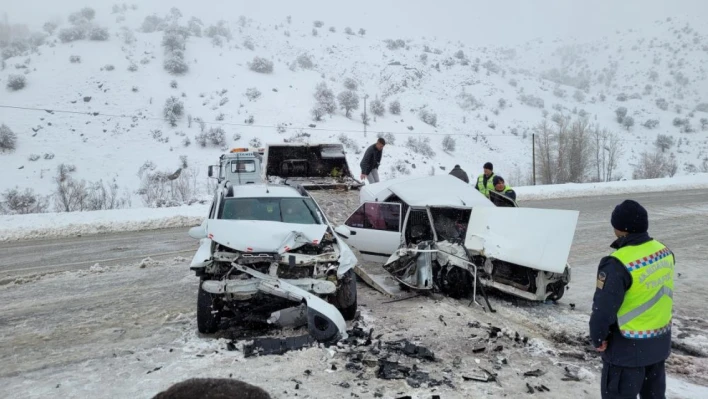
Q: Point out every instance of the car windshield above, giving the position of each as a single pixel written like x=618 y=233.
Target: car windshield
x=286 y=210
x=241 y=166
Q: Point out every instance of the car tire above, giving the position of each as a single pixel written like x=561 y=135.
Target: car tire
x=207 y=320
x=345 y=299
x=456 y=282
x=557 y=290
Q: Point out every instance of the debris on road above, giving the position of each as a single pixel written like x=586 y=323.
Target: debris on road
x=534 y=373
x=277 y=346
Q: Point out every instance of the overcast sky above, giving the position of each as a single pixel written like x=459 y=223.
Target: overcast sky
x=475 y=22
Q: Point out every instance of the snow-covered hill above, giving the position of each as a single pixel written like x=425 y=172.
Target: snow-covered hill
x=107 y=115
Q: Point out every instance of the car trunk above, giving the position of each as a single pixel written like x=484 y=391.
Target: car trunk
x=322 y=166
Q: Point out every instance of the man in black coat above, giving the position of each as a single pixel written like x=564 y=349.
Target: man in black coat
x=633 y=356
x=502 y=195
x=459 y=173
x=371 y=161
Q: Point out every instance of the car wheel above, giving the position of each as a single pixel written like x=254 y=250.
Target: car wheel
x=456 y=282
x=207 y=319
x=557 y=290
x=345 y=299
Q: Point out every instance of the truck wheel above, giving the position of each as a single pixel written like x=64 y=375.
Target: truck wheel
x=207 y=319
x=345 y=299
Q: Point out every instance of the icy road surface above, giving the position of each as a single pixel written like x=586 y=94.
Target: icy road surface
x=87 y=317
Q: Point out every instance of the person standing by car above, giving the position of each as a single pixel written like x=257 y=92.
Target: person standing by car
x=459 y=173
x=484 y=181
x=371 y=161
x=631 y=313
x=502 y=193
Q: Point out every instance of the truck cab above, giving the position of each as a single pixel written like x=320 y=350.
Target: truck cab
x=239 y=166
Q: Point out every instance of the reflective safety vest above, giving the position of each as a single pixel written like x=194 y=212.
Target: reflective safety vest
x=647 y=306
x=489 y=187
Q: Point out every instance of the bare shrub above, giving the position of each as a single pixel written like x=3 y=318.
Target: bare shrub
x=215 y=136
x=325 y=102
x=400 y=168
x=8 y=139
x=173 y=110
x=348 y=101
x=662 y=104
x=16 y=202
x=579 y=96
x=651 y=123
x=428 y=117
x=349 y=143
x=395 y=44
x=531 y=101
x=651 y=166
x=664 y=142
x=468 y=102
x=75 y=59
x=253 y=94
x=248 y=43
x=621 y=112
x=628 y=122
x=448 y=143
x=420 y=146
x=159 y=189
x=394 y=107
x=50 y=27
x=16 y=82
x=318 y=24
x=564 y=150
x=109 y=67
x=255 y=142
x=261 y=65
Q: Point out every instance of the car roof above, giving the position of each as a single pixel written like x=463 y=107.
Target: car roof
x=421 y=191
x=264 y=190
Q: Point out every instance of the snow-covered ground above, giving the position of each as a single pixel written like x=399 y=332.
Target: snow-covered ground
x=115 y=122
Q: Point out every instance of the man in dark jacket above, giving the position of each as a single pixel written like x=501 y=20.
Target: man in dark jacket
x=502 y=195
x=484 y=181
x=459 y=173
x=632 y=308
x=371 y=161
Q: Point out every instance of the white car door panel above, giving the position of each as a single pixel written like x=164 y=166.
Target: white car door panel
x=374 y=229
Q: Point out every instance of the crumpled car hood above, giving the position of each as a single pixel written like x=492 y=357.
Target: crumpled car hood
x=262 y=236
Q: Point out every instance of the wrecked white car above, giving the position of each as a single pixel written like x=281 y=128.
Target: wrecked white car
x=268 y=253
x=437 y=232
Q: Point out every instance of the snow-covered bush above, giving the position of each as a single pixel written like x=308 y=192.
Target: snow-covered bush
x=389 y=137
x=348 y=30
x=428 y=117
x=88 y=13
x=75 y=59
x=622 y=97
x=651 y=123
x=8 y=139
x=253 y=94
x=250 y=120
x=621 y=112
x=348 y=101
x=394 y=107
x=532 y=101
x=109 y=67
x=448 y=143
x=468 y=102
x=318 y=24
x=377 y=107
x=349 y=143
x=325 y=100
x=305 y=62
x=195 y=26
x=173 y=110
x=220 y=29
x=395 y=44
x=662 y=104
x=98 y=34
x=651 y=166
x=261 y=65
x=702 y=107
x=172 y=41
x=50 y=27
x=175 y=64
x=173 y=84
x=248 y=43
x=16 y=202
x=664 y=142
x=153 y=23
x=255 y=142
x=558 y=92
x=420 y=146
x=400 y=168
x=33 y=157
x=579 y=96
x=628 y=122
x=16 y=82
x=72 y=33
x=351 y=84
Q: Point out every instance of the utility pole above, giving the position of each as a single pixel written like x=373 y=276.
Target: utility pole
x=364 y=121
x=533 y=155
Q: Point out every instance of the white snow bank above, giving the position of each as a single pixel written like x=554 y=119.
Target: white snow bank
x=570 y=190
x=46 y=225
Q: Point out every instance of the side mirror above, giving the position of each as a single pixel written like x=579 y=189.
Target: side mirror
x=343 y=231
x=211 y=171
x=198 y=232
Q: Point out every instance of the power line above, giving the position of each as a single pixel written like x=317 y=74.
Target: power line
x=98 y=114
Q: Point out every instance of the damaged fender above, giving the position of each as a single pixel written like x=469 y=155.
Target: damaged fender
x=324 y=322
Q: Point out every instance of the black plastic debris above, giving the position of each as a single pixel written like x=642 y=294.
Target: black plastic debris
x=572 y=306
x=230 y=346
x=442 y=320
x=534 y=373
x=353 y=367
x=410 y=350
x=345 y=385
x=277 y=346
x=530 y=388
x=498 y=348
x=570 y=376
x=479 y=348
x=494 y=332
x=154 y=370
x=389 y=370
x=477 y=377
x=417 y=378
x=474 y=324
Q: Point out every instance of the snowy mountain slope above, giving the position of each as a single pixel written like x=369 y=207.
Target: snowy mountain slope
x=115 y=132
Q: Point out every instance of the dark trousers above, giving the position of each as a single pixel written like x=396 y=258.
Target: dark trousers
x=627 y=382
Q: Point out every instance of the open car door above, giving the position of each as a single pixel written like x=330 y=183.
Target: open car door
x=502 y=200
x=374 y=229
x=535 y=238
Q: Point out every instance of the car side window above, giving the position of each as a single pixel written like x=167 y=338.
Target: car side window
x=376 y=216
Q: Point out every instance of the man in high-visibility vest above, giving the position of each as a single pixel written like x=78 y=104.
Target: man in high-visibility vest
x=484 y=181
x=631 y=313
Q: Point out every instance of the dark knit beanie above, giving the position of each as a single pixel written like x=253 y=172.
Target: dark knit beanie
x=630 y=217
x=489 y=166
x=497 y=179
